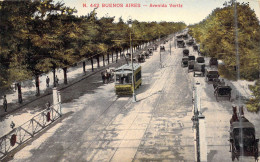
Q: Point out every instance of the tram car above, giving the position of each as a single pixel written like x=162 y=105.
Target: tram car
x=242 y=140
x=123 y=79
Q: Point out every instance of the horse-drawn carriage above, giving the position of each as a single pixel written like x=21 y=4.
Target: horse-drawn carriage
x=184 y=61
x=200 y=59
x=213 y=62
x=223 y=91
x=195 y=48
x=243 y=141
x=180 y=43
x=141 y=58
x=211 y=74
x=162 y=48
x=150 y=51
x=190 y=42
x=185 y=52
x=146 y=54
x=191 y=63
x=199 y=69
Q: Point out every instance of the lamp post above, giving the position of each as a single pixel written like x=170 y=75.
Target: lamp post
x=131 y=52
x=160 y=50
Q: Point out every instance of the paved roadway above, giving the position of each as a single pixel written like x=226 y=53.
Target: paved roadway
x=102 y=127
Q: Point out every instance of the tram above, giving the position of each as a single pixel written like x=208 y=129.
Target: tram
x=123 y=79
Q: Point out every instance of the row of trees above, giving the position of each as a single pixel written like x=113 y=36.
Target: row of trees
x=41 y=36
x=216 y=35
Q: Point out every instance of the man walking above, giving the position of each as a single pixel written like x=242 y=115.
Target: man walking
x=47 y=81
x=5 y=103
x=57 y=80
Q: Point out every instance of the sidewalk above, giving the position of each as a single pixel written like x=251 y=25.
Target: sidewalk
x=75 y=75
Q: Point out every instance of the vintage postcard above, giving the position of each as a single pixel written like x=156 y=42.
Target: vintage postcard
x=129 y=80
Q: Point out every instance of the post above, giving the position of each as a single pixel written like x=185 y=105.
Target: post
x=55 y=97
x=131 y=52
x=84 y=67
x=160 y=50
x=170 y=48
x=133 y=83
x=59 y=102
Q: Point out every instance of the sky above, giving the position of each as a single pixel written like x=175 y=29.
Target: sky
x=192 y=11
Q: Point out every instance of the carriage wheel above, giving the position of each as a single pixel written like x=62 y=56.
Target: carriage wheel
x=232 y=153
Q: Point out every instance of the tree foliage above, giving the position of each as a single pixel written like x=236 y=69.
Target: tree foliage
x=216 y=35
x=40 y=36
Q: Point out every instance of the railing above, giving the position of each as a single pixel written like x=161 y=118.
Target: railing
x=29 y=129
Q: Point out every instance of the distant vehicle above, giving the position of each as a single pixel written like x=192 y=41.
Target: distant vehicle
x=150 y=51
x=199 y=69
x=123 y=79
x=195 y=48
x=180 y=44
x=191 y=65
x=141 y=58
x=184 y=61
x=146 y=53
x=179 y=36
x=211 y=74
x=185 y=52
x=162 y=48
x=222 y=91
x=191 y=57
x=242 y=136
x=213 y=62
x=200 y=59
x=185 y=36
x=190 y=42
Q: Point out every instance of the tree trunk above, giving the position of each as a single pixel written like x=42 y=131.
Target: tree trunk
x=92 y=64
x=120 y=53
x=65 y=75
x=103 y=60
x=116 y=56
x=37 y=83
x=84 y=66
x=20 y=98
x=54 y=78
x=107 y=58
x=112 y=57
x=98 y=65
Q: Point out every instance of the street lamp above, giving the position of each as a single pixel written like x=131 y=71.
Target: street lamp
x=131 y=52
x=160 y=49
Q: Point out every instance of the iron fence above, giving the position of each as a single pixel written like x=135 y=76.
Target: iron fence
x=29 y=129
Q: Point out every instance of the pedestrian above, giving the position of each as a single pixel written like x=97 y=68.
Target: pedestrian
x=57 y=80
x=47 y=81
x=5 y=103
x=48 y=105
x=103 y=77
